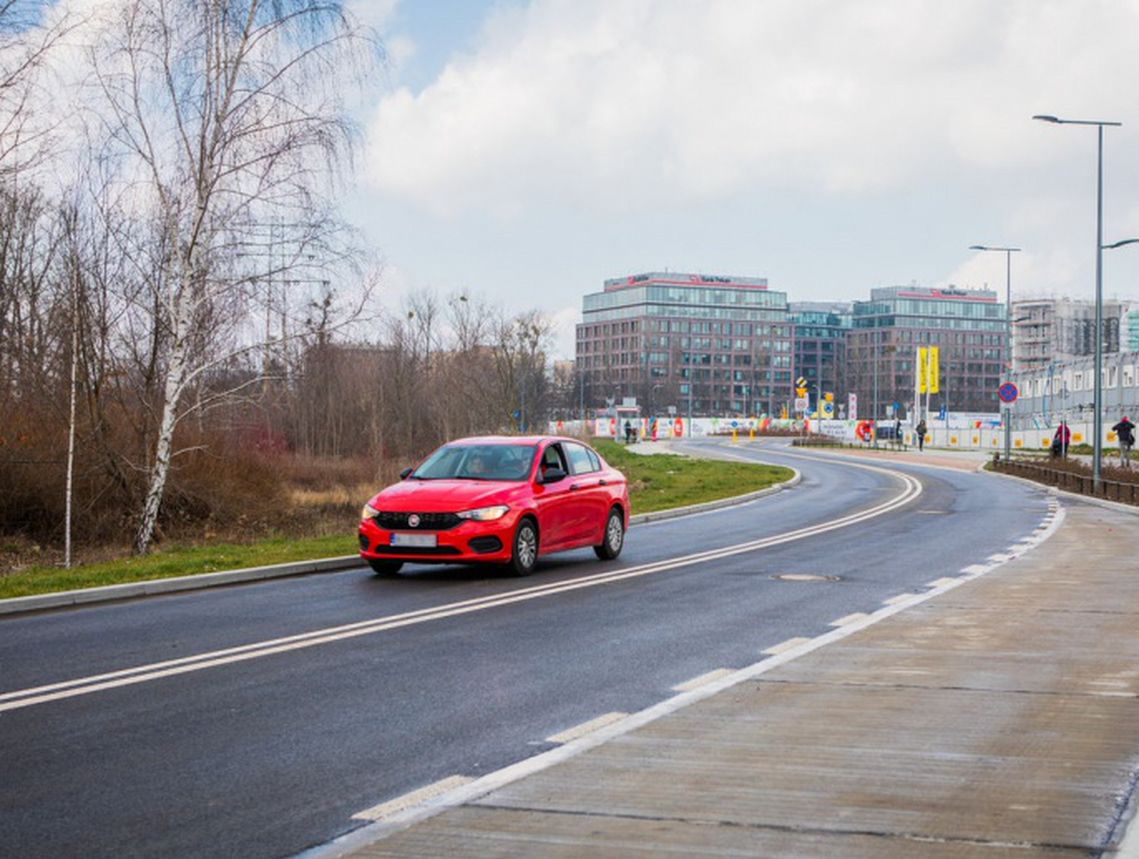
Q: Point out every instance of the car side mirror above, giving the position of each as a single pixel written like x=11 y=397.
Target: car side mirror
x=403 y=475
x=553 y=475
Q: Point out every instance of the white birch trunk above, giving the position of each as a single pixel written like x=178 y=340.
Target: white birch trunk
x=71 y=435
x=164 y=447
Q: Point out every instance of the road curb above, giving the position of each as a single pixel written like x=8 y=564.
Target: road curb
x=85 y=596
x=110 y=593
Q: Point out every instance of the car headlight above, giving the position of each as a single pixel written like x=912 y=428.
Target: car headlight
x=485 y=514
x=369 y=512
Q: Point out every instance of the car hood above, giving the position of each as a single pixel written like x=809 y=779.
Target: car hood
x=413 y=495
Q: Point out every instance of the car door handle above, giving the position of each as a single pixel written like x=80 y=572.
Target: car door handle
x=574 y=486
x=603 y=483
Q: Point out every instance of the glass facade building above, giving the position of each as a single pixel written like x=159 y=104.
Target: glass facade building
x=704 y=344
x=819 y=348
x=967 y=326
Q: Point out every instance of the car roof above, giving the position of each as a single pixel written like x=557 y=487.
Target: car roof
x=510 y=439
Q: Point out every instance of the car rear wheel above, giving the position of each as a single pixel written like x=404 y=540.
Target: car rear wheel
x=384 y=568
x=525 y=555
x=614 y=538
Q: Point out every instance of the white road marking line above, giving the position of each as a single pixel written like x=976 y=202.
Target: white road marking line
x=940 y=583
x=974 y=569
x=589 y=727
x=999 y=558
x=848 y=619
x=413 y=798
x=900 y=598
x=784 y=646
x=491 y=782
x=697 y=682
x=169 y=668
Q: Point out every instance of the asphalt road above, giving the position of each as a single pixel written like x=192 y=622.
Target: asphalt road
x=215 y=743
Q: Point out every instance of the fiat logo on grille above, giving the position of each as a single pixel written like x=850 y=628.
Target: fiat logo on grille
x=413 y=520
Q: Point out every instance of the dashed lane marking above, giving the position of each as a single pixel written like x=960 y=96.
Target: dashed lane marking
x=587 y=727
x=412 y=799
x=899 y=599
x=697 y=682
x=848 y=619
x=784 y=646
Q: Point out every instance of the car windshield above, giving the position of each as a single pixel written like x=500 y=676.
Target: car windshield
x=478 y=462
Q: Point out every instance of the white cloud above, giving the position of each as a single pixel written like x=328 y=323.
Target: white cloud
x=372 y=13
x=597 y=104
x=564 y=322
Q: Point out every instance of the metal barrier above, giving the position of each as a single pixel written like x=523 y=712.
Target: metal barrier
x=1113 y=490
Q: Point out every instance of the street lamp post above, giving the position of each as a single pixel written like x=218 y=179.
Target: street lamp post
x=1097 y=417
x=1006 y=365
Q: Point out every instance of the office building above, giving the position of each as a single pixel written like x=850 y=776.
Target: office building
x=819 y=348
x=967 y=326
x=702 y=344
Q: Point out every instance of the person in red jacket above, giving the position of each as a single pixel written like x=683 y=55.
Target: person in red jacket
x=1061 y=440
x=1126 y=432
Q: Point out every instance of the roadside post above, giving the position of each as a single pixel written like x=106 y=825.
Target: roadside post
x=1008 y=393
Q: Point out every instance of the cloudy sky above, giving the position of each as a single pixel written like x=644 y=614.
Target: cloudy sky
x=526 y=150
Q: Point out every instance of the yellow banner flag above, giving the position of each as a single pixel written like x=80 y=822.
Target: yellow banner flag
x=933 y=374
x=922 y=369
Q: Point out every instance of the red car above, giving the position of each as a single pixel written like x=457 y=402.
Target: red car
x=497 y=499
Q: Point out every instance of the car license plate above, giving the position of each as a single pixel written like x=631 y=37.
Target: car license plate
x=422 y=541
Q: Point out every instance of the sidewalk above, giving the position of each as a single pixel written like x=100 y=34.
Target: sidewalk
x=999 y=718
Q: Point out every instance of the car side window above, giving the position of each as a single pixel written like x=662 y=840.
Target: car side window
x=595 y=459
x=580 y=462
x=552 y=458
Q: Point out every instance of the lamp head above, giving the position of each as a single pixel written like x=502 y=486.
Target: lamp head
x=1120 y=244
x=1045 y=117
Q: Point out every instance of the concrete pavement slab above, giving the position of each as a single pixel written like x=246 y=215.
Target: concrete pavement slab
x=1000 y=718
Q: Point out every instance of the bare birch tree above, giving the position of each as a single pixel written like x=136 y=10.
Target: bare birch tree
x=226 y=115
x=28 y=33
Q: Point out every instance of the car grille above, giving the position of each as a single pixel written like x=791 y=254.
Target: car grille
x=415 y=550
x=427 y=521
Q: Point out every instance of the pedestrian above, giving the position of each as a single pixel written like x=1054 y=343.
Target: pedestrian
x=628 y=433
x=920 y=430
x=1126 y=432
x=897 y=432
x=1061 y=440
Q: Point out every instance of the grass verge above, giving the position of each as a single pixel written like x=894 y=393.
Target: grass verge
x=656 y=483
x=662 y=481
x=174 y=560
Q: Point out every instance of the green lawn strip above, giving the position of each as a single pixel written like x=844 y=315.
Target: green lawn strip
x=173 y=561
x=663 y=481
x=656 y=483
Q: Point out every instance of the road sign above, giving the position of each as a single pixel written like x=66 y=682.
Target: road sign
x=1008 y=392
x=801 y=404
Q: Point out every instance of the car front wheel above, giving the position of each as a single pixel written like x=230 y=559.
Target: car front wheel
x=614 y=538
x=525 y=555
x=384 y=568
